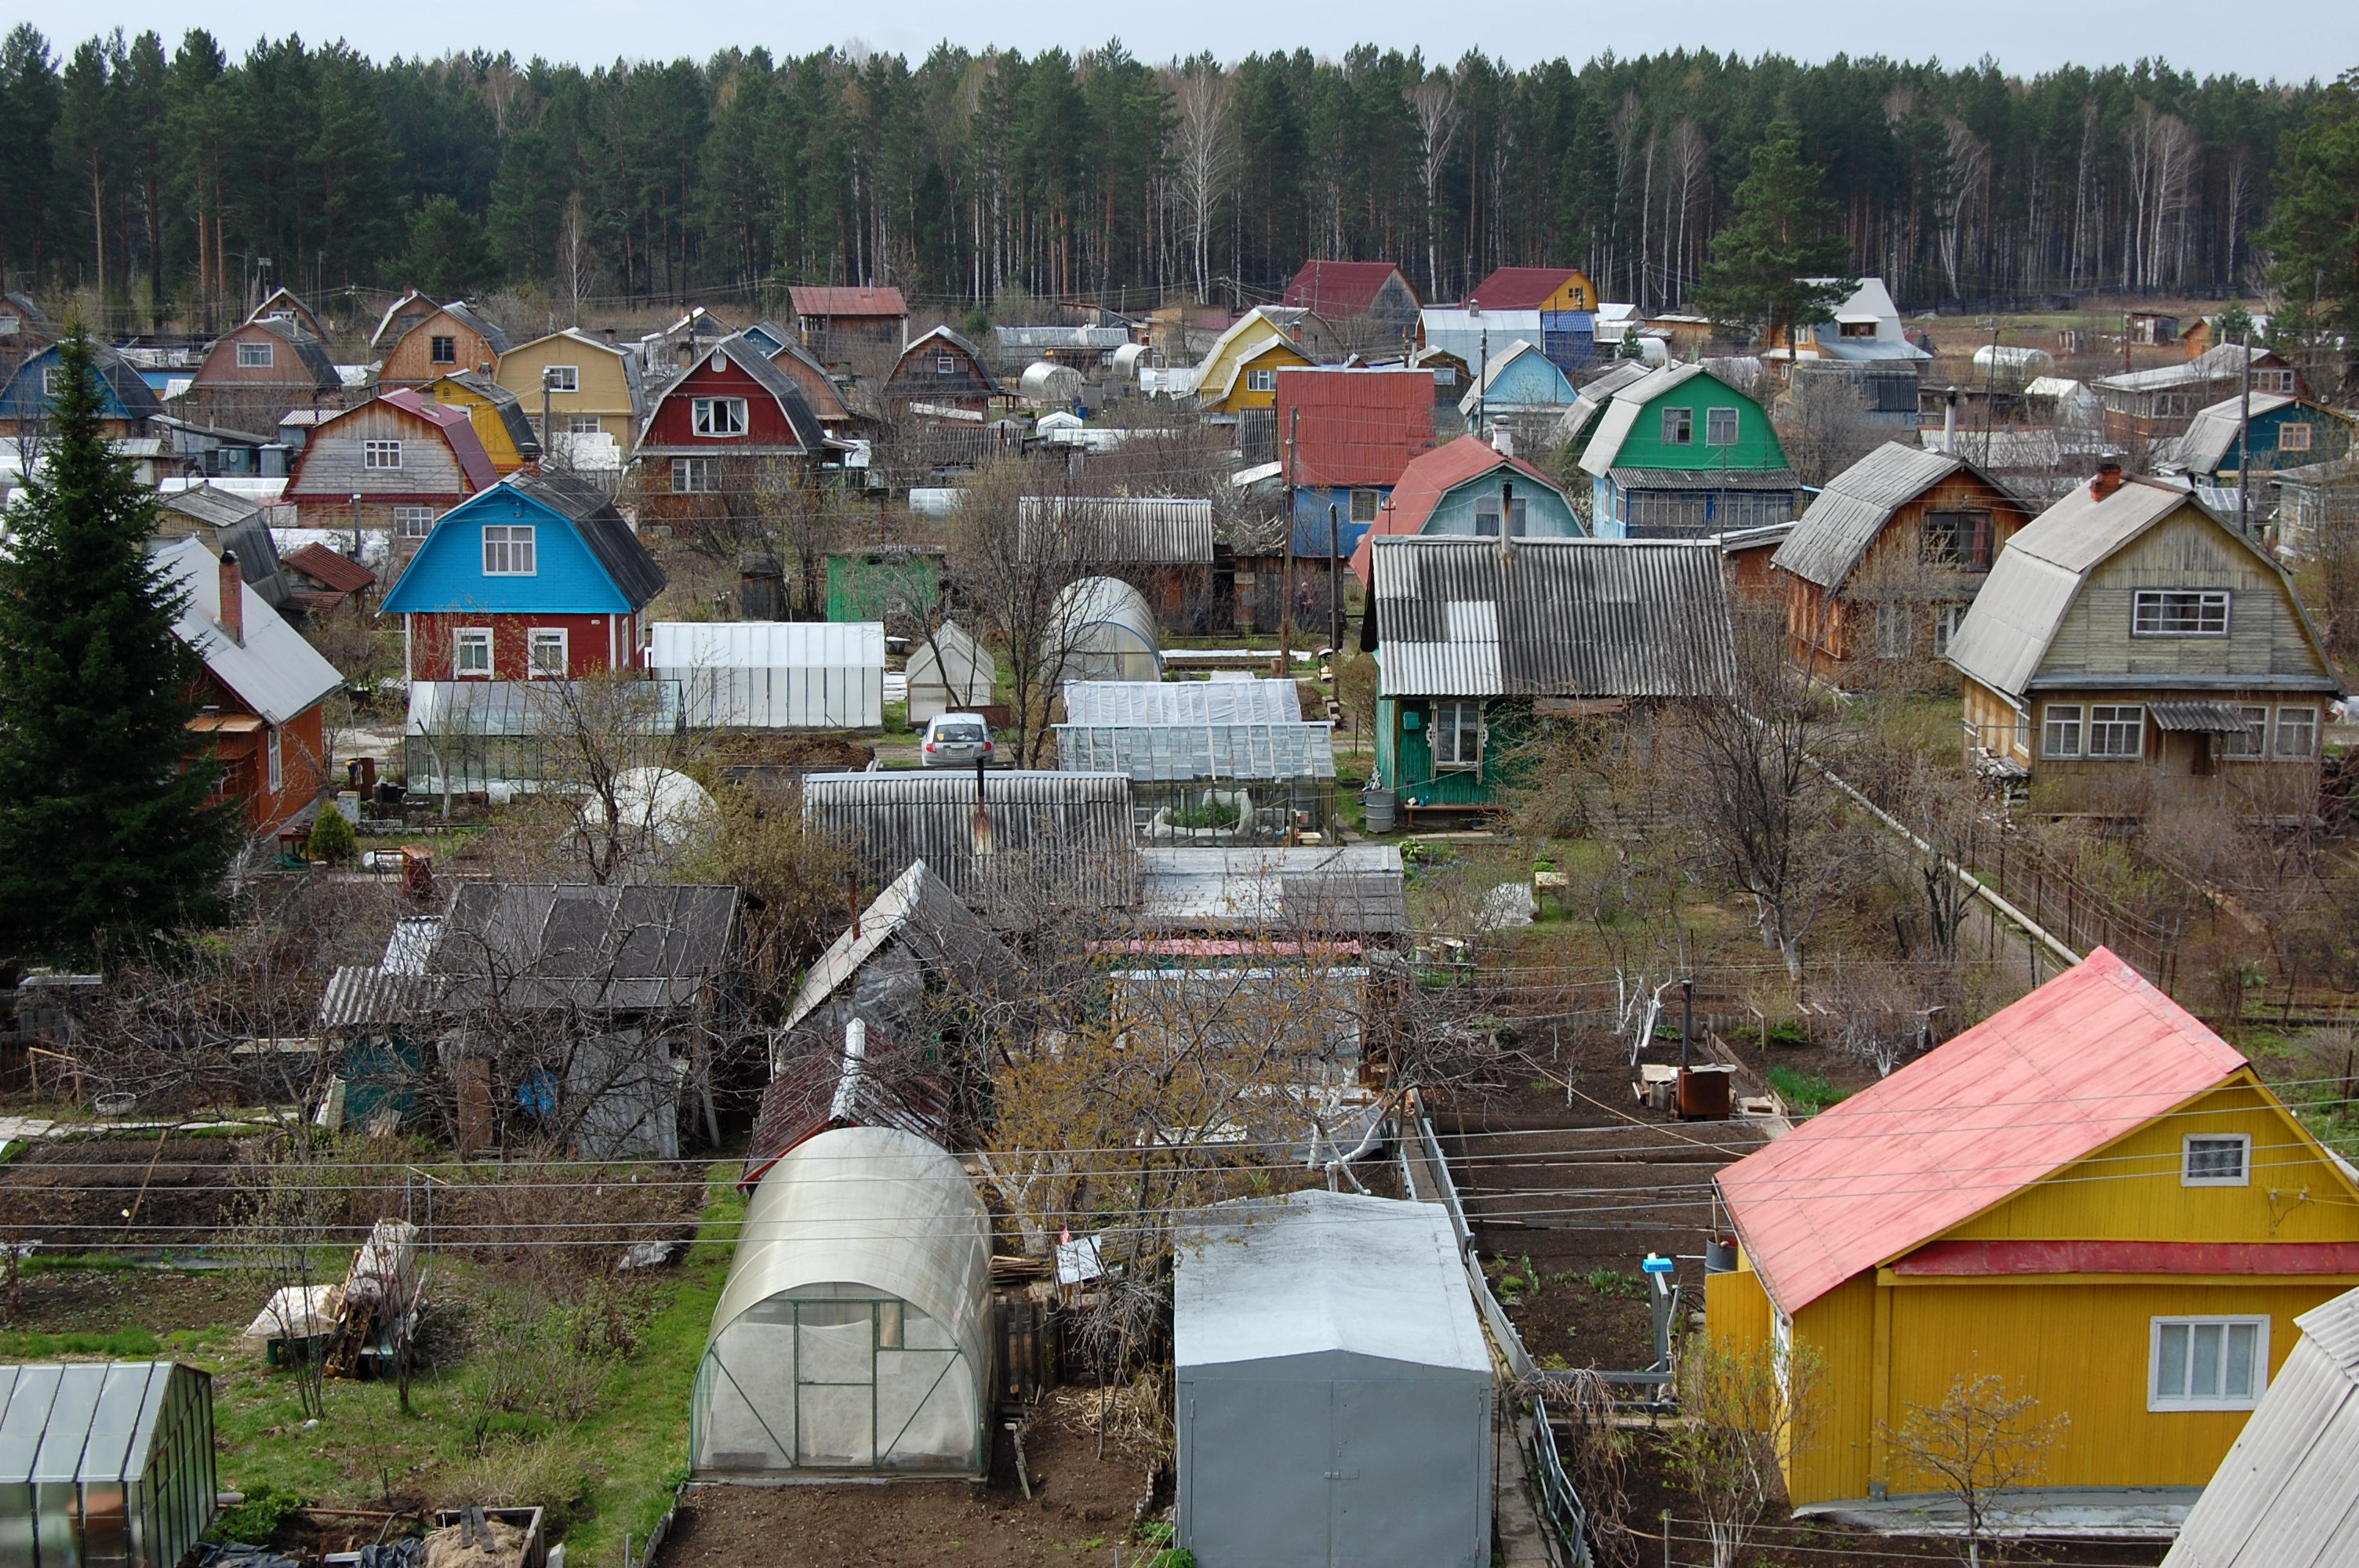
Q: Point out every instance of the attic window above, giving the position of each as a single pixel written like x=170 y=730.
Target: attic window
x=1958 y=539
x=946 y=364
x=2180 y=612
x=561 y=378
x=508 y=550
x=2216 y=1159
x=718 y=416
x=1261 y=381
x=50 y=381
x=1720 y=427
x=445 y=350
x=1678 y=426
x=2272 y=381
x=1856 y=329
x=254 y=356
x=10 y=324
x=381 y=454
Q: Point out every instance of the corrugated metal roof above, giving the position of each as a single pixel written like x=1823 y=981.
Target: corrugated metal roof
x=683 y=645
x=2283 y=1495
x=1340 y=289
x=1135 y=702
x=1117 y=530
x=1520 y=288
x=1578 y=618
x=358 y=997
x=916 y=910
x=2091 y=1055
x=1345 y=887
x=2225 y=363
x=1479 y=396
x=273 y=670
x=827 y=300
x=1356 y=427
x=1073 y=829
x=325 y=566
x=1835 y=530
x=1266 y=1279
x=1705 y=479
x=2197 y=718
x=1434 y=475
x=2213 y=431
x=1166 y=752
x=411 y=944
x=619 y=950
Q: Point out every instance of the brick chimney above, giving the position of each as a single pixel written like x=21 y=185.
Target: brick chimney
x=233 y=598
x=2108 y=479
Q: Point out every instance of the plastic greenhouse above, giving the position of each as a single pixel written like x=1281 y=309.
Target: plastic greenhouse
x=105 y=1463
x=853 y=1331
x=1108 y=630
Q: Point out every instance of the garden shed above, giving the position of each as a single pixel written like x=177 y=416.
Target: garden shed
x=853 y=1333
x=1108 y=632
x=105 y=1463
x=949 y=672
x=1334 y=1392
x=774 y=675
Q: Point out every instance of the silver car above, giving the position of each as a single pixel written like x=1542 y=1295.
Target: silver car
x=956 y=740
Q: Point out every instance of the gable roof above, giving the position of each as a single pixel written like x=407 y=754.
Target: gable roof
x=1843 y=519
x=273 y=671
x=809 y=432
x=2036 y=578
x=1630 y=400
x=818 y=387
x=1336 y=289
x=123 y=392
x=283 y=298
x=2212 y=434
x=506 y=403
x=593 y=514
x=1521 y=288
x=2092 y=1054
x=466 y=315
x=944 y=334
x=457 y=311
x=882 y=1082
x=1357 y=427
x=1573 y=618
x=2225 y=362
x=1513 y=359
x=917 y=908
x=310 y=352
x=457 y=427
x=831 y=300
x=632 y=375
x=1434 y=474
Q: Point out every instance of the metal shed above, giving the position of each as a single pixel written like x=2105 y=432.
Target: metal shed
x=774 y=675
x=1039 y=830
x=1335 y=1393
x=853 y=1331
x=105 y=1463
x=1107 y=630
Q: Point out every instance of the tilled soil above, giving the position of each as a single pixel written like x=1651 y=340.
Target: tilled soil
x=108 y=1301
x=116 y=1193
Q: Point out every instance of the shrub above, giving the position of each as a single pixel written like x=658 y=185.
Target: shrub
x=1806 y=1092
x=333 y=838
x=254 y=1522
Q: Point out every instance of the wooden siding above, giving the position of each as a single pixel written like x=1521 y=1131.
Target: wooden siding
x=2187 y=550
x=334 y=465
x=1838 y=1330
x=592 y=642
x=245 y=762
x=567 y=578
x=1825 y=629
x=605 y=386
x=1992 y=722
x=485 y=415
x=1756 y=445
x=411 y=362
x=766 y=430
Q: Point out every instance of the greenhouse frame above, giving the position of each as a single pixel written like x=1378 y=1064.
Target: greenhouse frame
x=105 y=1463
x=853 y=1334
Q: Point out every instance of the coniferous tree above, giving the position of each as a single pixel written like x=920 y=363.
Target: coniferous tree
x=1785 y=233
x=104 y=825
x=2314 y=244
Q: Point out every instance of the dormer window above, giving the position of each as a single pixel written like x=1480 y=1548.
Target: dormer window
x=718 y=416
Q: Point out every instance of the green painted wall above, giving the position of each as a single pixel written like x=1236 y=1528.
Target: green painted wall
x=869 y=588
x=1756 y=445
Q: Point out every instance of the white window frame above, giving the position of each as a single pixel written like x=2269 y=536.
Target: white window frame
x=1261 y=381
x=2062 y=729
x=2158 y=1401
x=696 y=476
x=413 y=522
x=2160 y=600
x=1716 y=420
x=1459 y=731
x=1947 y=619
x=511 y=549
x=1683 y=420
x=10 y=325
x=946 y=364
x=2250 y=744
x=49 y=381
x=706 y=415
x=2240 y=1142
x=541 y=637
x=274 y=759
x=561 y=378
x=580 y=425
x=1895 y=628
x=256 y=356
x=2301 y=718
x=467 y=637
x=2117 y=715
x=381 y=455
x=2294 y=436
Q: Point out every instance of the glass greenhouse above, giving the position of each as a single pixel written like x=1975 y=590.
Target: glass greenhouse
x=105 y=1464
x=853 y=1331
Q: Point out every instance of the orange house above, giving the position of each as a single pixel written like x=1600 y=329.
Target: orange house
x=422 y=343
x=263 y=687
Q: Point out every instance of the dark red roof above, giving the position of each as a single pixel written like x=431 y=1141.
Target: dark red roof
x=1520 y=288
x=1356 y=427
x=887 y=1086
x=457 y=429
x=1425 y=481
x=825 y=299
x=1338 y=289
x=340 y=573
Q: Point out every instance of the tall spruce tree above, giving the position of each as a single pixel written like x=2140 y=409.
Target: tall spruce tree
x=104 y=825
x=1785 y=233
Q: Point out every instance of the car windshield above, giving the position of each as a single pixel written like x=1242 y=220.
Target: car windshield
x=959 y=732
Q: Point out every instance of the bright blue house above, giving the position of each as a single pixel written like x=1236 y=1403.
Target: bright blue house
x=537 y=578
x=1522 y=380
x=127 y=402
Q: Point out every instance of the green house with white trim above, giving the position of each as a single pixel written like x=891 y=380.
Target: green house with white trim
x=1683 y=453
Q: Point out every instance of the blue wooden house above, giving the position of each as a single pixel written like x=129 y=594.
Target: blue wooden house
x=1519 y=381
x=2287 y=432
x=1470 y=488
x=537 y=578
x=30 y=397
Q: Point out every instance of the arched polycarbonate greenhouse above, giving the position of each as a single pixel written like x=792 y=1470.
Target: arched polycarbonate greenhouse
x=853 y=1331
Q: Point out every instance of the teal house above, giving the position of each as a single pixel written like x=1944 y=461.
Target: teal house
x=1480 y=642
x=1470 y=488
x=1679 y=454
x=2287 y=432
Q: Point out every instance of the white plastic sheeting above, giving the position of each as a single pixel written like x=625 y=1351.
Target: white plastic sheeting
x=853 y=1331
x=774 y=675
x=1107 y=630
x=1249 y=701
x=661 y=803
x=949 y=672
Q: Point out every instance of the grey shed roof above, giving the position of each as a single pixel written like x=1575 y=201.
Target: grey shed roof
x=2283 y=1497
x=917 y=911
x=1268 y=1279
x=620 y=949
x=1590 y=405
x=272 y=668
x=2213 y=432
x=460 y=310
x=1578 y=618
x=1117 y=530
x=601 y=527
x=1074 y=827
x=1340 y=887
x=1133 y=702
x=2219 y=363
x=1839 y=525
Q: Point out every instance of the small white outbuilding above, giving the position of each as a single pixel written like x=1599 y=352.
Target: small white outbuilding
x=774 y=675
x=949 y=672
x=1334 y=1394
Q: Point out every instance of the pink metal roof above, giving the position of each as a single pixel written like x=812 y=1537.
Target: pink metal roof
x=1424 y=482
x=824 y=299
x=458 y=430
x=1358 y=427
x=1339 y=289
x=2091 y=1055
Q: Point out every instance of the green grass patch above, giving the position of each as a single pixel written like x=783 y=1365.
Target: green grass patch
x=124 y=1345
x=1809 y=1093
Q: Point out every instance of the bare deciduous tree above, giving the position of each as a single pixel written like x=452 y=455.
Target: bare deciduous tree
x=1978 y=1443
x=1744 y=1410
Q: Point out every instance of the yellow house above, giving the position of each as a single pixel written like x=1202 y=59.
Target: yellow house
x=1240 y=370
x=2090 y=1195
x=592 y=386
x=498 y=416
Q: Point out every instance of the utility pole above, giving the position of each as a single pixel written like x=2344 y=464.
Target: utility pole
x=1334 y=584
x=1286 y=580
x=2245 y=442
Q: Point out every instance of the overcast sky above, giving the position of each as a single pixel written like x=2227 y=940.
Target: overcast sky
x=2288 y=39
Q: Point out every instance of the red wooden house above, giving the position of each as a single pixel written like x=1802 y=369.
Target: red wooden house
x=731 y=425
